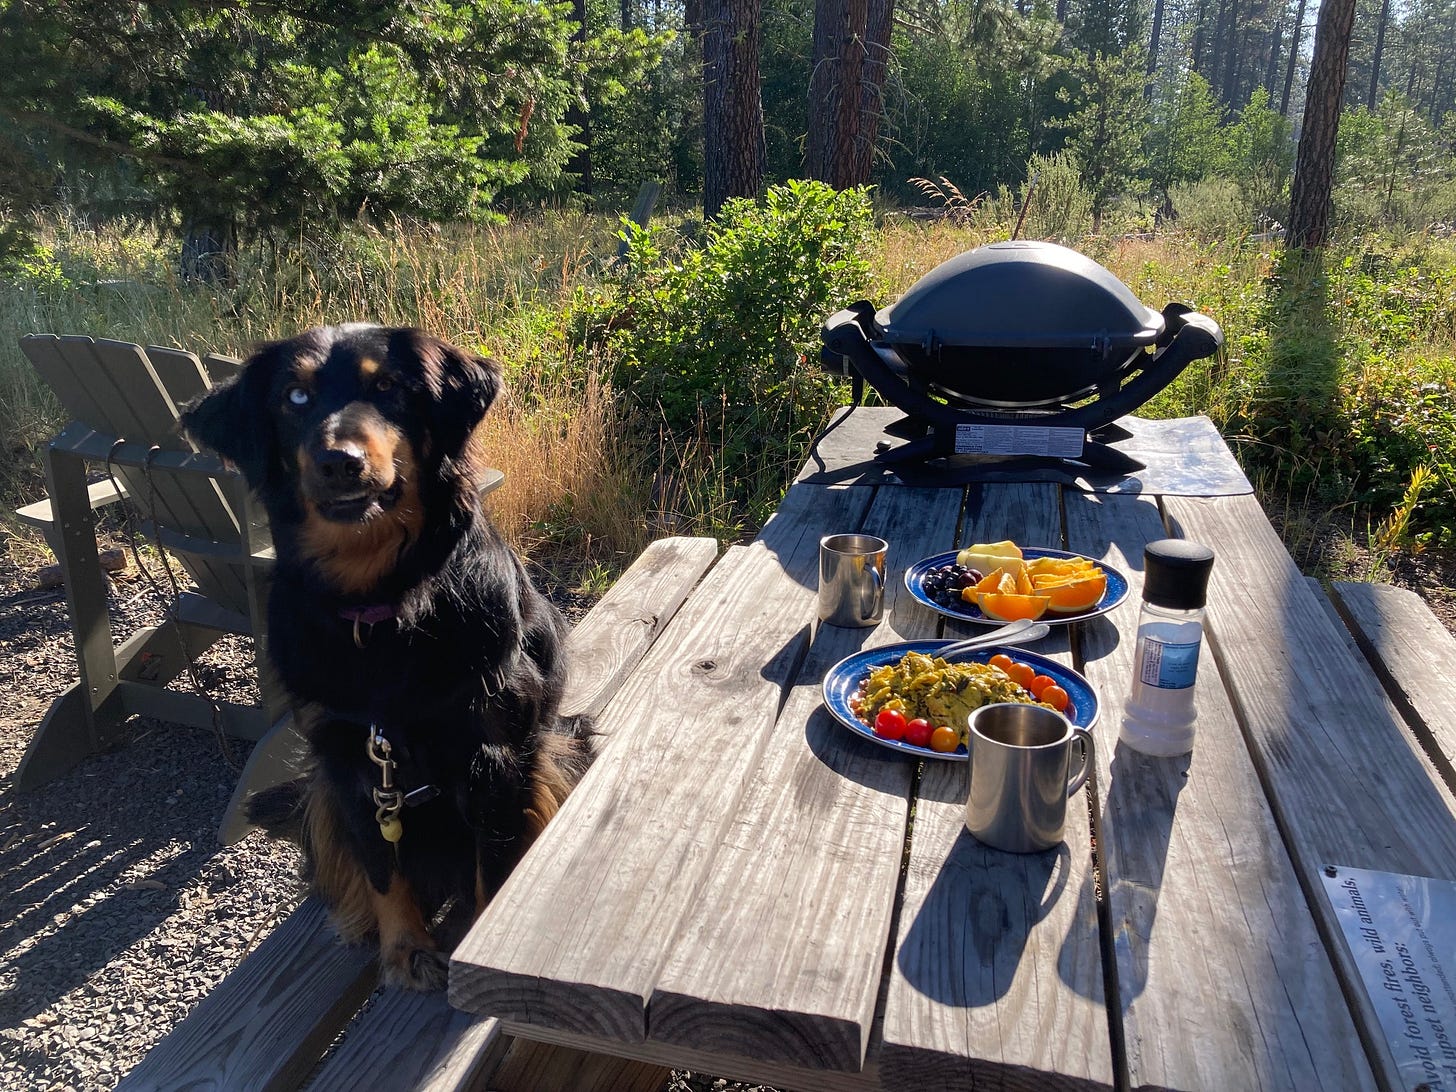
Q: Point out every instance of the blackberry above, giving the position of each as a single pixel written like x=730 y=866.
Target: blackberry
x=943 y=585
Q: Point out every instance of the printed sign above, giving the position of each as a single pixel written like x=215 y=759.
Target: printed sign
x=1061 y=443
x=1402 y=932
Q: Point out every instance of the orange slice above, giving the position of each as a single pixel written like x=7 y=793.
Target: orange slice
x=1076 y=595
x=1005 y=607
x=991 y=581
x=1059 y=566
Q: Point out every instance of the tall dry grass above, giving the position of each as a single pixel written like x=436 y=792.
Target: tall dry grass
x=575 y=486
x=494 y=288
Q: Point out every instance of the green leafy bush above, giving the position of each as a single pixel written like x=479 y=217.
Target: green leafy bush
x=1213 y=209
x=1058 y=207
x=715 y=336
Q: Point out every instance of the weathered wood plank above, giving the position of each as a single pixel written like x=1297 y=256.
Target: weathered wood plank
x=811 y=857
x=181 y=373
x=1414 y=656
x=45 y=353
x=220 y=368
x=111 y=386
x=996 y=979
x=1189 y=849
x=266 y=1024
x=412 y=1042
x=606 y=645
x=731 y=1066
x=578 y=935
x=537 y=1067
x=1347 y=781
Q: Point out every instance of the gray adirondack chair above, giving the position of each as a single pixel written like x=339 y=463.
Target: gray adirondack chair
x=123 y=403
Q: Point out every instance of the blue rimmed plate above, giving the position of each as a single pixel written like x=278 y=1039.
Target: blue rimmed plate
x=968 y=612
x=844 y=678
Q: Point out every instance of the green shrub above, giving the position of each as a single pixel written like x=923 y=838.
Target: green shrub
x=1349 y=384
x=1215 y=209
x=1058 y=206
x=714 y=336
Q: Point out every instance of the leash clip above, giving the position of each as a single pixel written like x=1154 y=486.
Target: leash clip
x=388 y=800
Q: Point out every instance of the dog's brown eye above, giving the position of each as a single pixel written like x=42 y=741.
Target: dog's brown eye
x=298 y=396
x=383 y=383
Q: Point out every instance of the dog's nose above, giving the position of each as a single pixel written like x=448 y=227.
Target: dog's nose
x=340 y=466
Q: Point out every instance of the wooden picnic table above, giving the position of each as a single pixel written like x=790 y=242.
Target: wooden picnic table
x=742 y=886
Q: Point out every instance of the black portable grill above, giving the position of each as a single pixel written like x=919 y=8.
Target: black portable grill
x=1019 y=349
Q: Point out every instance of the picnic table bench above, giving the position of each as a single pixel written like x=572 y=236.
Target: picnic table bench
x=741 y=886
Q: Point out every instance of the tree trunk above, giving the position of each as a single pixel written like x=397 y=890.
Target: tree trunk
x=209 y=249
x=1295 y=36
x=578 y=115
x=1200 y=38
x=1238 y=43
x=1314 y=166
x=1228 y=47
x=733 y=137
x=839 y=27
x=1271 y=66
x=879 y=23
x=1374 y=96
x=846 y=84
x=1153 y=44
x=1212 y=58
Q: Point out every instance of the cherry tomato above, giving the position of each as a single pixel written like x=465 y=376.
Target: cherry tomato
x=1021 y=674
x=918 y=733
x=1000 y=660
x=944 y=739
x=1056 y=697
x=890 y=724
x=1040 y=683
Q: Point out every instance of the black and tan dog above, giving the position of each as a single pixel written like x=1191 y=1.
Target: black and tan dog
x=425 y=669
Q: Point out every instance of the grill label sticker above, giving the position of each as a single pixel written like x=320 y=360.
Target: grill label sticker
x=979 y=439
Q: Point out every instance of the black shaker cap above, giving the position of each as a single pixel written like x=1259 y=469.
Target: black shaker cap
x=1175 y=573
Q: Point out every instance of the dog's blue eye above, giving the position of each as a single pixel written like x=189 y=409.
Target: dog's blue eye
x=298 y=396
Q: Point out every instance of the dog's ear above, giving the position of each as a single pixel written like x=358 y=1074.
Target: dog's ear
x=463 y=385
x=234 y=418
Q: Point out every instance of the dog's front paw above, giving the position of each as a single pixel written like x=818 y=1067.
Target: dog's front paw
x=414 y=968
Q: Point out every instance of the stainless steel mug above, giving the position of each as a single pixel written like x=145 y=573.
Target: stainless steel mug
x=852 y=579
x=1020 y=758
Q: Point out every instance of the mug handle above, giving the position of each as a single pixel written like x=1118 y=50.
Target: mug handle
x=870 y=592
x=1078 y=779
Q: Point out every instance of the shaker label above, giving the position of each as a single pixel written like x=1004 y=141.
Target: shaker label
x=1167 y=665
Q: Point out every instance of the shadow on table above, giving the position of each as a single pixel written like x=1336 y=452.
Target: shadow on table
x=1140 y=802
x=964 y=946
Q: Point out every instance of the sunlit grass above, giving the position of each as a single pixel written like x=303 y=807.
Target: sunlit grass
x=1358 y=331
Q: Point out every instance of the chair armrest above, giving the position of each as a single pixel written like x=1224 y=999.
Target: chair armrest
x=40 y=514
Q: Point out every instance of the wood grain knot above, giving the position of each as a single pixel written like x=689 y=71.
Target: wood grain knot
x=705 y=667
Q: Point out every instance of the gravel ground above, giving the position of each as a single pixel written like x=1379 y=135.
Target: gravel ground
x=119 y=909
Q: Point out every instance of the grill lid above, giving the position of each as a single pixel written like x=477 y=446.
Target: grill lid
x=1021 y=294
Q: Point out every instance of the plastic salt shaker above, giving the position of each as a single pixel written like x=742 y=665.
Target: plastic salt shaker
x=1159 y=714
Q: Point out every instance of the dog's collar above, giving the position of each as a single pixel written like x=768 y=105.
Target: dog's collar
x=369 y=615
